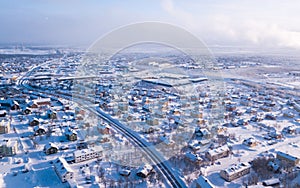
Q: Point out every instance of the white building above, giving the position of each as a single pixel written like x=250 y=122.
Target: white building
x=4 y=126
x=217 y=153
x=144 y=170
x=63 y=169
x=87 y=154
x=8 y=147
x=235 y=171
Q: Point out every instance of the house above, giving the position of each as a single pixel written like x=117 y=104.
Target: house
x=245 y=102
x=50 y=148
x=8 y=147
x=79 y=117
x=3 y=113
x=33 y=121
x=15 y=106
x=159 y=113
x=271 y=182
x=202 y=132
x=296 y=107
x=166 y=141
x=251 y=111
x=51 y=114
x=203 y=182
x=145 y=128
x=270 y=117
x=235 y=171
x=266 y=109
x=195 y=158
x=241 y=122
x=32 y=104
x=185 y=103
x=217 y=153
x=275 y=134
x=39 y=130
x=251 y=142
x=63 y=169
x=79 y=111
x=144 y=171
x=256 y=118
x=27 y=111
x=194 y=98
x=176 y=112
x=273 y=166
x=219 y=129
x=42 y=101
x=87 y=154
x=237 y=112
x=147 y=108
x=269 y=103
x=230 y=107
x=4 y=126
x=289 y=130
x=198 y=144
x=198 y=121
x=288 y=114
x=289 y=159
x=152 y=121
x=127 y=117
x=102 y=129
x=180 y=121
x=71 y=135
x=81 y=145
x=196 y=114
x=6 y=103
x=123 y=106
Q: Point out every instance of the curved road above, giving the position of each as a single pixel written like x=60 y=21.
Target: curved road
x=162 y=165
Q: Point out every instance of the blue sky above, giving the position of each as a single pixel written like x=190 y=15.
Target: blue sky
x=268 y=23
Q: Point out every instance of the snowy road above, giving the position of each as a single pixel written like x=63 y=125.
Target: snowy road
x=172 y=177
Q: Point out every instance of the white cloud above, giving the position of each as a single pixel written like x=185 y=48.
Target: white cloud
x=236 y=27
x=180 y=15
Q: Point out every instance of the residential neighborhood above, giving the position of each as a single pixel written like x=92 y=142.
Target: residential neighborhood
x=89 y=131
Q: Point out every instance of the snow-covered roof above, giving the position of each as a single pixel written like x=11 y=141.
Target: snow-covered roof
x=203 y=131
x=70 y=132
x=287 y=156
x=237 y=168
x=165 y=140
x=32 y=103
x=50 y=145
x=193 y=157
x=35 y=128
x=4 y=123
x=218 y=150
x=87 y=151
x=42 y=100
x=249 y=141
x=61 y=166
x=145 y=169
x=274 y=165
x=8 y=143
x=32 y=118
x=3 y=112
x=6 y=101
x=272 y=181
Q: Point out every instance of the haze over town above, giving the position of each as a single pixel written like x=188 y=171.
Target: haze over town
x=160 y=93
